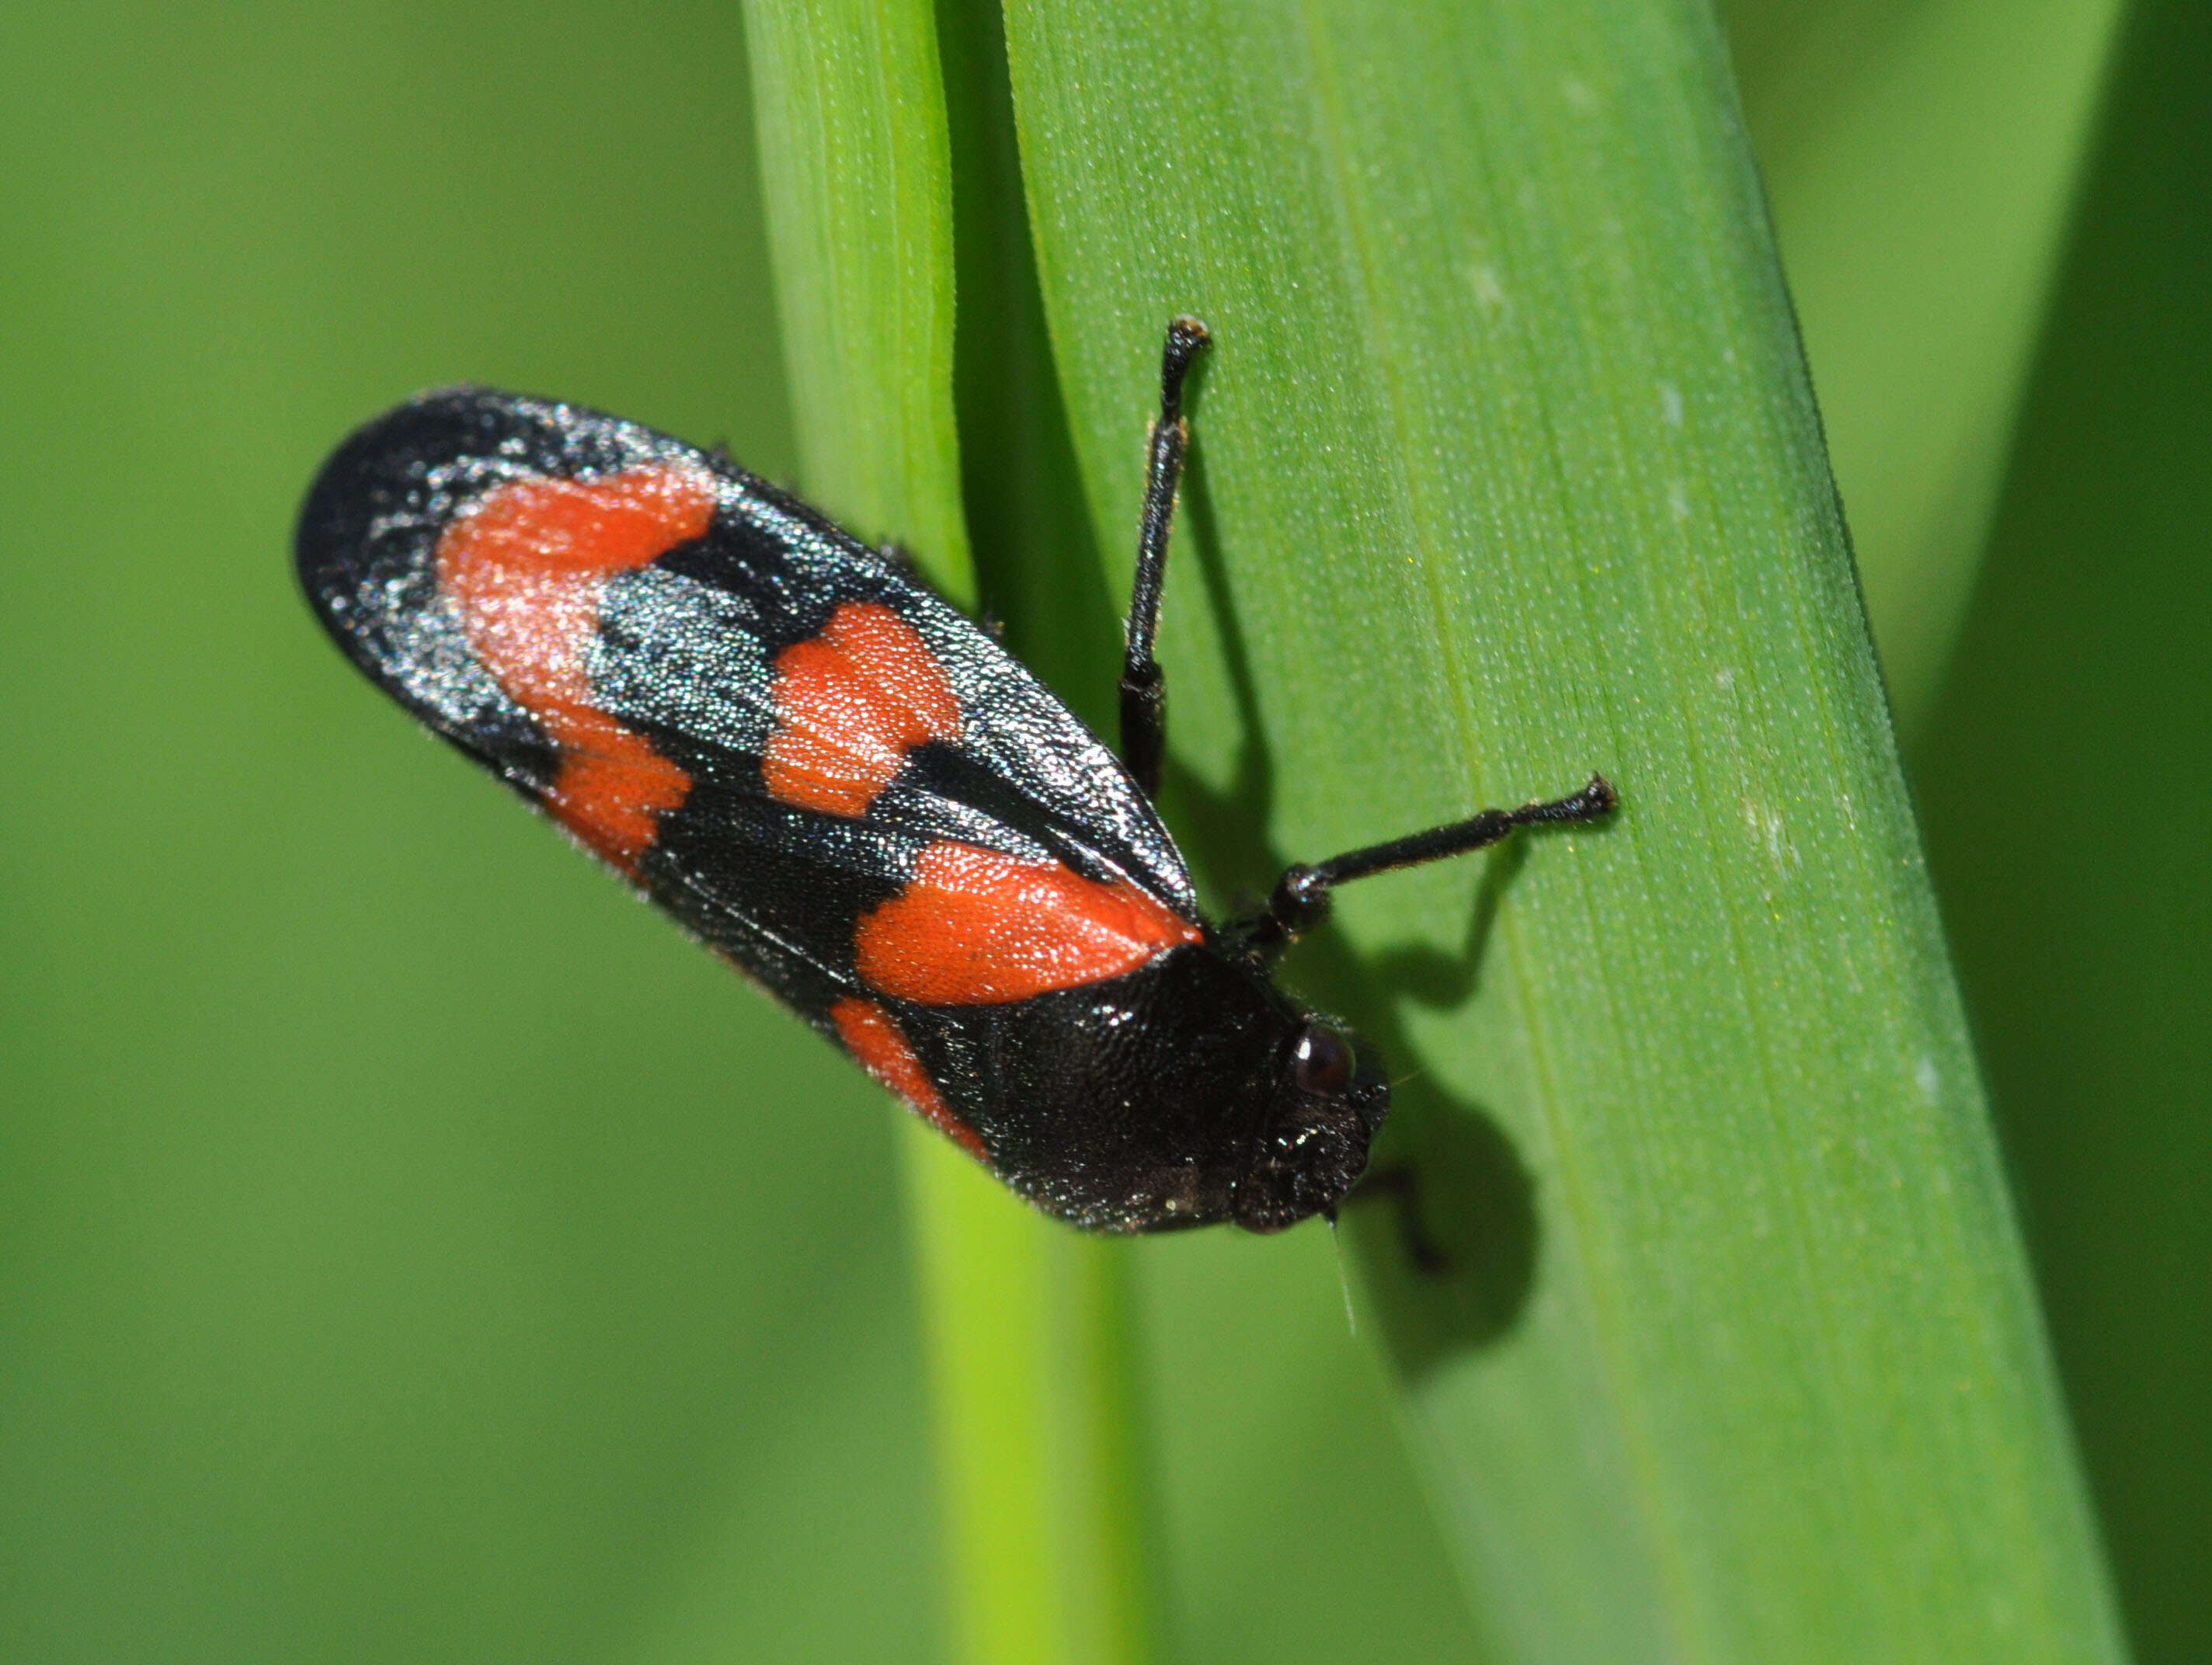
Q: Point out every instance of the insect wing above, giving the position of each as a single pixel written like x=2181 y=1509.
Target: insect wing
x=818 y=766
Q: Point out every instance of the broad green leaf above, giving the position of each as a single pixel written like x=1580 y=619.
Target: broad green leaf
x=1507 y=469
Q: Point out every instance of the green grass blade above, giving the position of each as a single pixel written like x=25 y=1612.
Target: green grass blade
x=857 y=182
x=1035 y=1421
x=1920 y=157
x=2065 y=784
x=1508 y=469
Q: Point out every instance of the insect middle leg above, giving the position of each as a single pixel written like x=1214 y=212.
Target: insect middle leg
x=1301 y=896
x=1144 y=689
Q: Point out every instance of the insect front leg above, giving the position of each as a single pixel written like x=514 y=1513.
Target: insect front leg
x=1144 y=689
x=1301 y=897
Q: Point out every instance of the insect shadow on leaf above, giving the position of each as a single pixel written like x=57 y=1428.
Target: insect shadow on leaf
x=1448 y=1216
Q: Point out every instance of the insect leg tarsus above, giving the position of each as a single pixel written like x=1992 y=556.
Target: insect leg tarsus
x=1144 y=689
x=1301 y=897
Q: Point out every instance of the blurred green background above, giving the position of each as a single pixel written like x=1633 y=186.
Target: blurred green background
x=409 y=1248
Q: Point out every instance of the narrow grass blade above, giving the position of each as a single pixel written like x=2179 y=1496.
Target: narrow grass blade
x=1507 y=470
x=1028 y=1338
x=1920 y=157
x=2066 y=777
x=856 y=177
x=1036 y=1423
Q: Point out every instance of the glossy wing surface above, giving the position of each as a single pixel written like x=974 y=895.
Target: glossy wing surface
x=818 y=766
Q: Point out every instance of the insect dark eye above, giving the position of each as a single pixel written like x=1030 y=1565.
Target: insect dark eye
x=1322 y=1062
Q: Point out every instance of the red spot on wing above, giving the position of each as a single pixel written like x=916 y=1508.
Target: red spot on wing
x=850 y=703
x=613 y=786
x=973 y=928
x=609 y=525
x=526 y=566
x=872 y=1034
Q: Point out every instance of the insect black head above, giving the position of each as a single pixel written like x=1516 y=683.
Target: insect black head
x=1312 y=1147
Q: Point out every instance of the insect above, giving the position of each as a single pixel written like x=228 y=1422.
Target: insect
x=853 y=794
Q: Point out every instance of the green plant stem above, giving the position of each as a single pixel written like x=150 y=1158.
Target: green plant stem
x=856 y=179
x=1508 y=467
x=1026 y=1325
x=1027 y=1345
